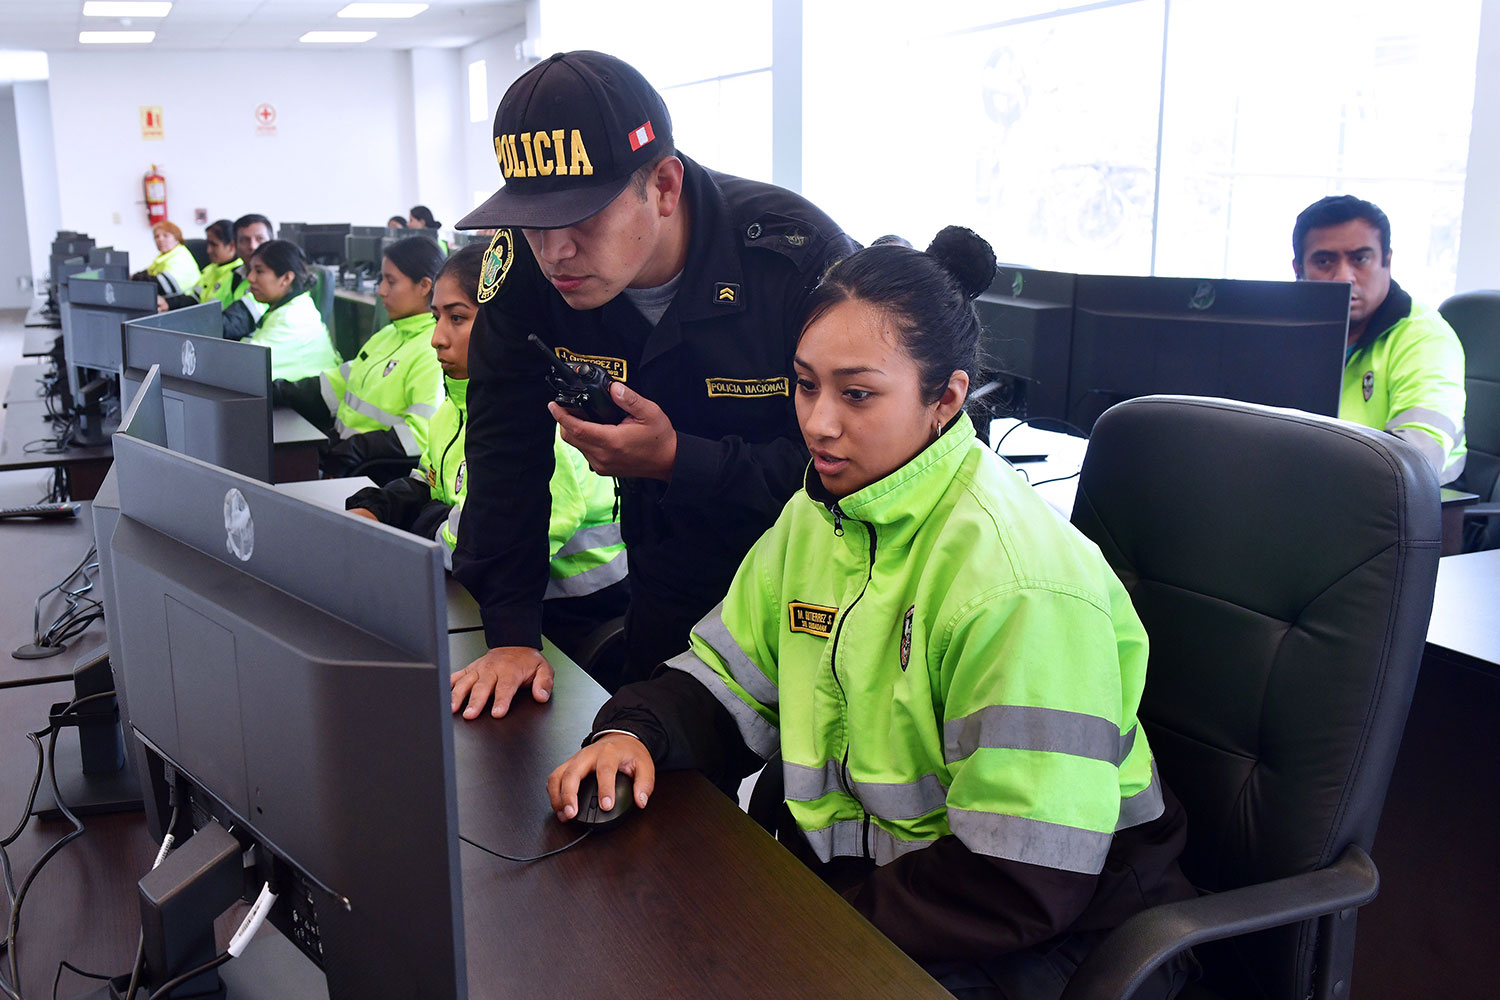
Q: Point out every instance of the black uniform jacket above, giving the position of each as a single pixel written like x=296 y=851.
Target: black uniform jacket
x=718 y=363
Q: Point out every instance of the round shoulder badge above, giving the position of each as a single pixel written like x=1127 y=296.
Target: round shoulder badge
x=496 y=264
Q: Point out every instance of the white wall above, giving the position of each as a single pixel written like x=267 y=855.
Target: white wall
x=1479 y=237
x=440 y=110
x=342 y=149
x=480 y=171
x=15 y=249
x=38 y=172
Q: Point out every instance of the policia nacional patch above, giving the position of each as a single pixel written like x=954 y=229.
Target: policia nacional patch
x=497 y=261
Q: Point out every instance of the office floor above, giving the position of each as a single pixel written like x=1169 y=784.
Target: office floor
x=30 y=485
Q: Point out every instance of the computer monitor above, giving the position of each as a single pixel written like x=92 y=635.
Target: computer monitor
x=323 y=243
x=216 y=393
x=291 y=232
x=463 y=237
x=1275 y=342
x=362 y=248
x=1027 y=319
x=205 y=319
x=286 y=669
x=109 y=256
x=92 y=313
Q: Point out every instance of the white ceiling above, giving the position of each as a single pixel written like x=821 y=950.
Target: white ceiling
x=53 y=25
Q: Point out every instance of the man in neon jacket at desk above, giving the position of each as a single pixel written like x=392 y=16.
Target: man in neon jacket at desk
x=1403 y=364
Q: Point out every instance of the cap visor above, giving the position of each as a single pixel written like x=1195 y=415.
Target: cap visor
x=553 y=210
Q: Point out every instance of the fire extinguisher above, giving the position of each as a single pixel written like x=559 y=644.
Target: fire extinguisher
x=156 y=196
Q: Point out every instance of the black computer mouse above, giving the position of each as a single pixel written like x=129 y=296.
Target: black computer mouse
x=591 y=814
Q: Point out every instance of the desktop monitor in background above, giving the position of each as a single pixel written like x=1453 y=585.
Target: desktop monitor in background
x=286 y=668
x=323 y=243
x=93 y=312
x=291 y=232
x=362 y=248
x=109 y=257
x=1027 y=316
x=216 y=393
x=1280 y=343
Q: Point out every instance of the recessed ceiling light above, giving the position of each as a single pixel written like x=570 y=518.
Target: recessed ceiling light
x=383 y=10
x=120 y=8
x=335 y=37
x=115 y=37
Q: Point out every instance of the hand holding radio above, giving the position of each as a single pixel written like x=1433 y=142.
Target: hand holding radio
x=581 y=386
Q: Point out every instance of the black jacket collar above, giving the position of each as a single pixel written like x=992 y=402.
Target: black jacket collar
x=1395 y=308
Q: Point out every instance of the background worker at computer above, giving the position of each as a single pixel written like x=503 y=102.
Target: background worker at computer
x=217 y=280
x=242 y=311
x=174 y=270
x=1404 y=366
x=291 y=325
x=685 y=285
x=949 y=671
x=377 y=404
x=587 y=584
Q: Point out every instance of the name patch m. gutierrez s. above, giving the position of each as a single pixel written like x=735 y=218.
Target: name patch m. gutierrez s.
x=749 y=388
x=814 y=619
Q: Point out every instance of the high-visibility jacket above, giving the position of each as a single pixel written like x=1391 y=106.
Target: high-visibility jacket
x=394 y=382
x=584 y=543
x=293 y=329
x=216 y=283
x=176 y=271
x=1406 y=376
x=939 y=652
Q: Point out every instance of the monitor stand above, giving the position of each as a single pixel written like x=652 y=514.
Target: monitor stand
x=94 y=773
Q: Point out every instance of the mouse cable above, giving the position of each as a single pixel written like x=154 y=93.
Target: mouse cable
x=506 y=857
x=1029 y=421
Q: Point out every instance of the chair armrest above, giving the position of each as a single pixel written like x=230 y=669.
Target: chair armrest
x=1131 y=952
x=1481 y=510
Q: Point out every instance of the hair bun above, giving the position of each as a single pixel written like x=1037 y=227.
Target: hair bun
x=967 y=256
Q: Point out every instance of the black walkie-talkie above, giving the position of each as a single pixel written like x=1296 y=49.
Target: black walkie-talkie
x=581 y=386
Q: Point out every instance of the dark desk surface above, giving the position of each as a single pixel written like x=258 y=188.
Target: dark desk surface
x=687 y=898
x=26 y=383
x=39 y=339
x=35 y=555
x=1466 y=607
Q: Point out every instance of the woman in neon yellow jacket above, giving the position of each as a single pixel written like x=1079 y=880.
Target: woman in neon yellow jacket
x=174 y=269
x=291 y=326
x=948 y=670
x=217 y=282
x=376 y=406
x=587 y=585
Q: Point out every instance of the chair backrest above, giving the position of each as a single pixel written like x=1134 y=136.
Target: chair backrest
x=199 y=249
x=325 y=283
x=1475 y=317
x=1283 y=565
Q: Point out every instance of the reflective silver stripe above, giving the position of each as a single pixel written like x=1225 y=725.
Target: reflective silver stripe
x=370 y=410
x=419 y=473
x=600 y=536
x=1024 y=727
x=888 y=800
x=759 y=735
x=1422 y=415
x=1142 y=807
x=449 y=529
x=846 y=838
x=325 y=386
x=1454 y=469
x=712 y=630
x=409 y=442
x=1031 y=841
x=1432 y=452
x=590 y=580
x=424 y=410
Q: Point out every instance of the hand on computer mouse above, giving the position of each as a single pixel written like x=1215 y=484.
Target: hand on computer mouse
x=611 y=755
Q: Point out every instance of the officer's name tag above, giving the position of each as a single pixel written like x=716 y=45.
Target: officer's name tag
x=614 y=367
x=749 y=388
x=812 y=618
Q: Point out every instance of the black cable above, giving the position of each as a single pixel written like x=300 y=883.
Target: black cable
x=139 y=965
x=65 y=964
x=1055 y=479
x=506 y=857
x=172 y=984
x=1029 y=421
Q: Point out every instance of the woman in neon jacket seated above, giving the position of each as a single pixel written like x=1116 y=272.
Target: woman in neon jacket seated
x=949 y=671
x=377 y=404
x=174 y=270
x=587 y=585
x=217 y=282
x=291 y=326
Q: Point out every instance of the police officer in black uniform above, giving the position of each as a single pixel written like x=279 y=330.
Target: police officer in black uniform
x=684 y=284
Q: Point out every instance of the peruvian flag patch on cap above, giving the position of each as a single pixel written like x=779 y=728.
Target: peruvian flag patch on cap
x=641 y=137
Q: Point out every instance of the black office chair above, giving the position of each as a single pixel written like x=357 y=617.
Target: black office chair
x=1283 y=565
x=199 y=249
x=1475 y=317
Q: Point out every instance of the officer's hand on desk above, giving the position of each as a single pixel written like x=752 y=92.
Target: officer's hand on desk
x=501 y=672
x=642 y=446
x=610 y=753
